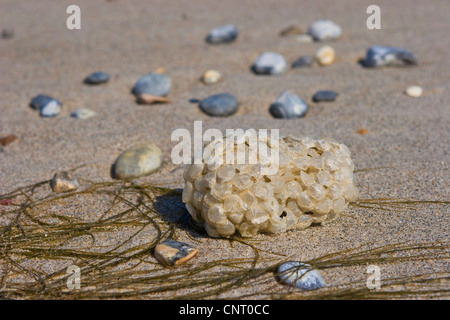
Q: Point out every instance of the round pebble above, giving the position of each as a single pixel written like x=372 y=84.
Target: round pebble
x=51 y=109
x=304 y=38
x=322 y=30
x=97 y=78
x=378 y=56
x=414 y=91
x=82 y=113
x=270 y=63
x=223 y=34
x=303 y=62
x=63 y=182
x=39 y=101
x=288 y=106
x=219 y=105
x=324 y=95
x=291 y=31
x=211 y=77
x=155 y=84
x=300 y=275
x=137 y=161
x=325 y=56
x=172 y=253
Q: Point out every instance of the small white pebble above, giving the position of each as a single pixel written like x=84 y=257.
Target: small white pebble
x=325 y=55
x=211 y=76
x=414 y=91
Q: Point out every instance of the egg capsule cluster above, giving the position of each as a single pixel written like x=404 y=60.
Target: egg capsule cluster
x=314 y=182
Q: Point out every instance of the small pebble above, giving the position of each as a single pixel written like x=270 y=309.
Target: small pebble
x=270 y=63
x=211 y=77
x=63 y=182
x=325 y=56
x=322 y=30
x=378 y=56
x=362 y=131
x=7 y=33
x=219 y=105
x=155 y=84
x=4 y=141
x=300 y=275
x=149 y=99
x=51 y=109
x=414 y=91
x=97 y=78
x=137 y=161
x=288 y=106
x=291 y=31
x=303 y=62
x=82 y=113
x=39 y=101
x=173 y=253
x=324 y=95
x=223 y=34
x=304 y=38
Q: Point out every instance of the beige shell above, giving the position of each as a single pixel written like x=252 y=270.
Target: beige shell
x=314 y=183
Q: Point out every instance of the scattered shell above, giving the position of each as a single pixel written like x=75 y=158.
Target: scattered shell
x=300 y=275
x=150 y=99
x=291 y=30
x=362 y=131
x=160 y=70
x=304 y=38
x=311 y=175
x=172 y=253
x=137 y=161
x=325 y=55
x=414 y=91
x=211 y=76
x=4 y=141
x=82 y=113
x=63 y=182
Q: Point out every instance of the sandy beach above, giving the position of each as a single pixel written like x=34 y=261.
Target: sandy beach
x=403 y=156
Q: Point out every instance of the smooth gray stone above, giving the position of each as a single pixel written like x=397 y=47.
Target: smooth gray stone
x=219 y=105
x=137 y=161
x=51 y=109
x=155 y=84
x=378 y=56
x=302 y=62
x=223 y=34
x=324 y=95
x=300 y=275
x=39 y=101
x=270 y=63
x=288 y=106
x=97 y=78
x=322 y=30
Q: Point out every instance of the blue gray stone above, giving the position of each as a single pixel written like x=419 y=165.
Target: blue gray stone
x=51 y=109
x=137 y=161
x=322 y=30
x=324 y=95
x=223 y=34
x=300 y=275
x=219 y=105
x=97 y=78
x=288 y=106
x=270 y=63
x=155 y=84
x=378 y=56
x=303 y=61
x=39 y=101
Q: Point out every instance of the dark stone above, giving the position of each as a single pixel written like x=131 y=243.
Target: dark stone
x=219 y=105
x=324 y=95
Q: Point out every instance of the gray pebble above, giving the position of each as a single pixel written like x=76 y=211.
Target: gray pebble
x=270 y=63
x=39 y=101
x=82 y=113
x=288 y=106
x=63 y=182
x=219 y=105
x=302 y=62
x=137 y=161
x=378 y=56
x=97 y=78
x=223 y=34
x=324 y=95
x=300 y=275
x=322 y=30
x=51 y=109
x=155 y=84
x=7 y=33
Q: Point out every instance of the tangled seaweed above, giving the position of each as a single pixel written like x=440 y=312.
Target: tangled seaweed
x=38 y=241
